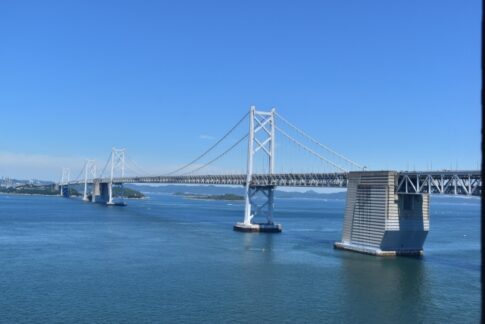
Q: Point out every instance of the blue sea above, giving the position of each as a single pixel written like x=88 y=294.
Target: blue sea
x=167 y=259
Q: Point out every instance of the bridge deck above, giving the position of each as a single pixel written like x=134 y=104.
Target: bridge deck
x=444 y=182
x=280 y=180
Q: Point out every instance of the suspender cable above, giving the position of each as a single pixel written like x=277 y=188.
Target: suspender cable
x=219 y=156
x=318 y=143
x=211 y=148
x=106 y=165
x=309 y=150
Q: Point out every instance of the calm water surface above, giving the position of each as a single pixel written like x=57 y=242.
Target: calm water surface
x=167 y=259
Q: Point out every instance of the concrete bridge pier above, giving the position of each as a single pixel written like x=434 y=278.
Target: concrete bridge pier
x=103 y=193
x=100 y=192
x=380 y=221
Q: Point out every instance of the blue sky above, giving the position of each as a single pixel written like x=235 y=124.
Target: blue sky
x=390 y=84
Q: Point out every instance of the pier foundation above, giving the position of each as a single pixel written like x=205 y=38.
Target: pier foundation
x=261 y=227
x=264 y=207
x=380 y=221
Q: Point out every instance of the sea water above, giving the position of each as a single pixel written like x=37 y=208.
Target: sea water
x=168 y=259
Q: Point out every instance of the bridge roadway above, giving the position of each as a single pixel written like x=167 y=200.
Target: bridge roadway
x=443 y=182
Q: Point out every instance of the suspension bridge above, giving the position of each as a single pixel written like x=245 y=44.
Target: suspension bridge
x=387 y=212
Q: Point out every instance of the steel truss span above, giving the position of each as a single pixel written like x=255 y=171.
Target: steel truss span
x=446 y=182
x=467 y=183
x=257 y=180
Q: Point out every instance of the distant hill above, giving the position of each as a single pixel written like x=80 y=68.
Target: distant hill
x=129 y=192
x=239 y=191
x=29 y=189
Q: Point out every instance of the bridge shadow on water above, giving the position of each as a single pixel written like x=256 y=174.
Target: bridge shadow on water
x=383 y=289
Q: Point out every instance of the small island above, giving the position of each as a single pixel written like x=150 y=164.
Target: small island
x=46 y=190
x=127 y=193
x=227 y=197
x=50 y=190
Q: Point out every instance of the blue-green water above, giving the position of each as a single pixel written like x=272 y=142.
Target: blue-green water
x=166 y=259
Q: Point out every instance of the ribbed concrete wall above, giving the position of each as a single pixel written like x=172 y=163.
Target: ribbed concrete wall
x=349 y=209
x=377 y=219
x=369 y=219
x=367 y=204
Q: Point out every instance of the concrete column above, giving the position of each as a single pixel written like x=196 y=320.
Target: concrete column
x=96 y=191
x=380 y=221
x=101 y=192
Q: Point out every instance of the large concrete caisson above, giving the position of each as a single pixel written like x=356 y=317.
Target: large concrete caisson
x=380 y=221
x=101 y=192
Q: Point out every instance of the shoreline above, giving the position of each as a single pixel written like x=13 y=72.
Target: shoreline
x=44 y=195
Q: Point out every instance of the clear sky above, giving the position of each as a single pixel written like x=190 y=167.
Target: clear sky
x=391 y=84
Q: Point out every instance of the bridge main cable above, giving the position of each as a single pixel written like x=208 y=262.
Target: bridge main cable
x=219 y=156
x=79 y=175
x=211 y=148
x=106 y=165
x=309 y=150
x=318 y=143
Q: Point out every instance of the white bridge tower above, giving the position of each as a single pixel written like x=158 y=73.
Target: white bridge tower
x=117 y=170
x=64 y=184
x=89 y=173
x=262 y=140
